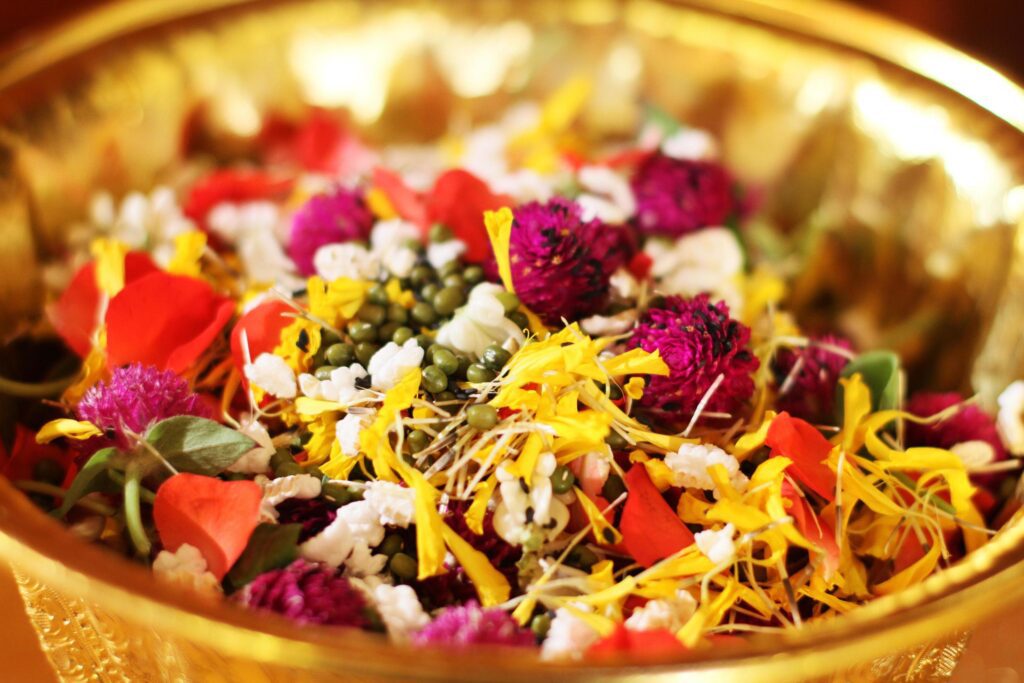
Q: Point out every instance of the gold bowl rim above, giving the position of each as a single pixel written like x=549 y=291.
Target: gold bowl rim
x=986 y=582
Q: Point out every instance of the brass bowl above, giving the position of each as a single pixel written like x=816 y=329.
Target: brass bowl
x=894 y=163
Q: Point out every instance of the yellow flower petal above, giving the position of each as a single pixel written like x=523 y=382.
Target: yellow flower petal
x=109 y=255
x=188 y=252
x=499 y=229
x=635 y=388
x=491 y=585
x=604 y=532
x=72 y=429
x=378 y=203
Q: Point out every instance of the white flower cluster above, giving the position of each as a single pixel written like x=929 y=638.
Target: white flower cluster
x=143 y=222
x=257 y=460
x=256 y=231
x=663 y=613
x=272 y=374
x=521 y=513
x=359 y=527
x=276 y=491
x=340 y=388
x=607 y=195
x=718 y=546
x=1010 y=418
x=392 y=362
x=691 y=462
x=480 y=323
x=388 y=252
x=186 y=568
x=398 y=607
x=568 y=637
x=706 y=261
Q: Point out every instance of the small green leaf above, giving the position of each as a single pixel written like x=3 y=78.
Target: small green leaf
x=271 y=546
x=197 y=445
x=92 y=477
x=880 y=371
x=657 y=116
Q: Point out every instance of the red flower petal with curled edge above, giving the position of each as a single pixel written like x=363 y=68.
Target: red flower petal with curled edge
x=19 y=463
x=76 y=314
x=812 y=527
x=407 y=202
x=655 y=643
x=262 y=326
x=458 y=201
x=802 y=443
x=217 y=517
x=164 y=320
x=231 y=185
x=651 y=530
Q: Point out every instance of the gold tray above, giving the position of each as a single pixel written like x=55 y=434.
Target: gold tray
x=897 y=161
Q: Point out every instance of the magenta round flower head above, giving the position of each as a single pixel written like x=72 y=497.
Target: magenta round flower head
x=308 y=593
x=314 y=514
x=969 y=423
x=677 y=196
x=809 y=376
x=340 y=215
x=471 y=624
x=556 y=269
x=698 y=341
x=134 y=398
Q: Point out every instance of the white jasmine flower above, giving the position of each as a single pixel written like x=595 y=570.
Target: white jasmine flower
x=690 y=143
x=549 y=514
x=347 y=259
x=257 y=460
x=569 y=637
x=357 y=523
x=186 y=568
x=273 y=375
x=440 y=254
x=276 y=491
x=143 y=222
x=391 y=363
x=400 y=610
x=479 y=323
x=666 y=614
x=340 y=388
x=623 y=284
x=362 y=562
x=254 y=229
x=392 y=234
x=609 y=325
x=718 y=546
x=608 y=196
x=395 y=505
x=708 y=260
x=1010 y=418
x=400 y=262
x=974 y=454
x=348 y=430
x=526 y=185
x=691 y=462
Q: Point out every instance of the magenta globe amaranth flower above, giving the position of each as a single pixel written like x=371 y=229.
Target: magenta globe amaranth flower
x=699 y=342
x=340 y=215
x=314 y=514
x=807 y=377
x=134 y=398
x=677 y=196
x=308 y=593
x=557 y=260
x=471 y=624
x=969 y=423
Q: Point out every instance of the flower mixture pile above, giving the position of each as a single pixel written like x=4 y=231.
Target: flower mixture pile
x=508 y=389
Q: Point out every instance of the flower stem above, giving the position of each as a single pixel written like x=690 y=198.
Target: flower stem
x=58 y=492
x=13 y=387
x=145 y=495
x=132 y=513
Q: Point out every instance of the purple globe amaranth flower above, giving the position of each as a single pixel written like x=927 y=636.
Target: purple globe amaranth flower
x=134 y=398
x=677 y=196
x=340 y=215
x=308 y=593
x=698 y=341
x=556 y=260
x=471 y=624
x=969 y=423
x=314 y=514
x=810 y=375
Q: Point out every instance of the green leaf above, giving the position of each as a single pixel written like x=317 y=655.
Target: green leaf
x=92 y=477
x=657 y=116
x=197 y=445
x=880 y=371
x=271 y=546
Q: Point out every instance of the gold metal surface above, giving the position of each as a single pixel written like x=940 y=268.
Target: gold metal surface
x=892 y=167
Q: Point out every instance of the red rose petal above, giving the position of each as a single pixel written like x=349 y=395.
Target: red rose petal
x=164 y=320
x=651 y=530
x=802 y=443
x=75 y=315
x=262 y=326
x=215 y=516
x=406 y=201
x=458 y=201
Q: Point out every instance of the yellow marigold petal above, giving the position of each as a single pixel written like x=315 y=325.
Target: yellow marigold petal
x=94 y=369
x=499 y=229
x=751 y=441
x=188 y=252
x=636 y=362
x=914 y=574
x=377 y=201
x=491 y=585
x=430 y=529
x=604 y=532
x=109 y=255
x=66 y=427
x=478 y=508
x=396 y=294
x=635 y=388
x=336 y=302
x=565 y=104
